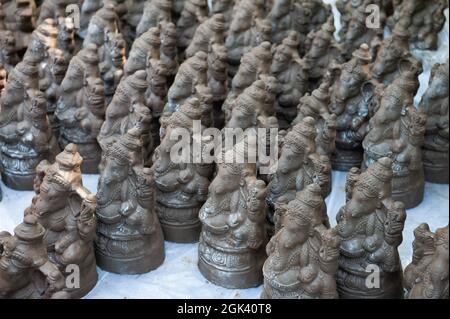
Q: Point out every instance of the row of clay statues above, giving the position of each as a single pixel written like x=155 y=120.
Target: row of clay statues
x=67 y=228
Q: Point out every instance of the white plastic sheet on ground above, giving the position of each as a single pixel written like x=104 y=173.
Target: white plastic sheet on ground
x=179 y=277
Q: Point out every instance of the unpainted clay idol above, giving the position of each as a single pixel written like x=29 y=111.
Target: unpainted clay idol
x=393 y=56
x=370 y=226
x=194 y=13
x=424 y=20
x=248 y=29
x=292 y=75
x=233 y=237
x=435 y=104
x=397 y=131
x=66 y=210
x=298 y=166
x=26 y=136
x=130 y=239
x=26 y=271
x=351 y=99
x=303 y=254
x=426 y=277
x=155 y=12
x=181 y=185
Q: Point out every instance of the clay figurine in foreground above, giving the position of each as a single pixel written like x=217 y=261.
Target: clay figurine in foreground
x=130 y=239
x=25 y=269
x=233 y=237
x=426 y=277
x=303 y=254
x=370 y=226
x=396 y=130
x=66 y=210
x=435 y=104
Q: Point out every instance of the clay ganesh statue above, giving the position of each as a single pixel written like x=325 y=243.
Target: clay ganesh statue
x=192 y=72
x=316 y=105
x=352 y=99
x=82 y=124
x=209 y=32
x=25 y=134
x=303 y=254
x=181 y=186
x=291 y=74
x=130 y=239
x=397 y=130
x=155 y=12
x=25 y=269
x=66 y=210
x=20 y=19
x=435 y=104
x=298 y=166
x=426 y=277
x=425 y=20
x=233 y=237
x=247 y=30
x=393 y=57
x=370 y=226
x=194 y=13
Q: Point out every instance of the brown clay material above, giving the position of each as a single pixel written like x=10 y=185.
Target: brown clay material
x=248 y=29
x=130 y=239
x=426 y=277
x=181 y=188
x=425 y=19
x=435 y=104
x=155 y=12
x=194 y=13
x=66 y=210
x=231 y=248
x=294 y=175
x=393 y=56
x=25 y=133
x=397 y=131
x=26 y=271
x=291 y=73
x=112 y=62
x=145 y=47
x=253 y=65
x=209 y=32
x=8 y=55
x=20 y=19
x=370 y=226
x=103 y=21
x=351 y=97
x=321 y=52
x=316 y=105
x=303 y=254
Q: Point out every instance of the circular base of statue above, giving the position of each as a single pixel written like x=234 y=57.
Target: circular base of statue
x=344 y=160
x=130 y=257
x=18 y=182
x=390 y=286
x=232 y=269
x=435 y=165
x=409 y=189
x=129 y=266
x=179 y=225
